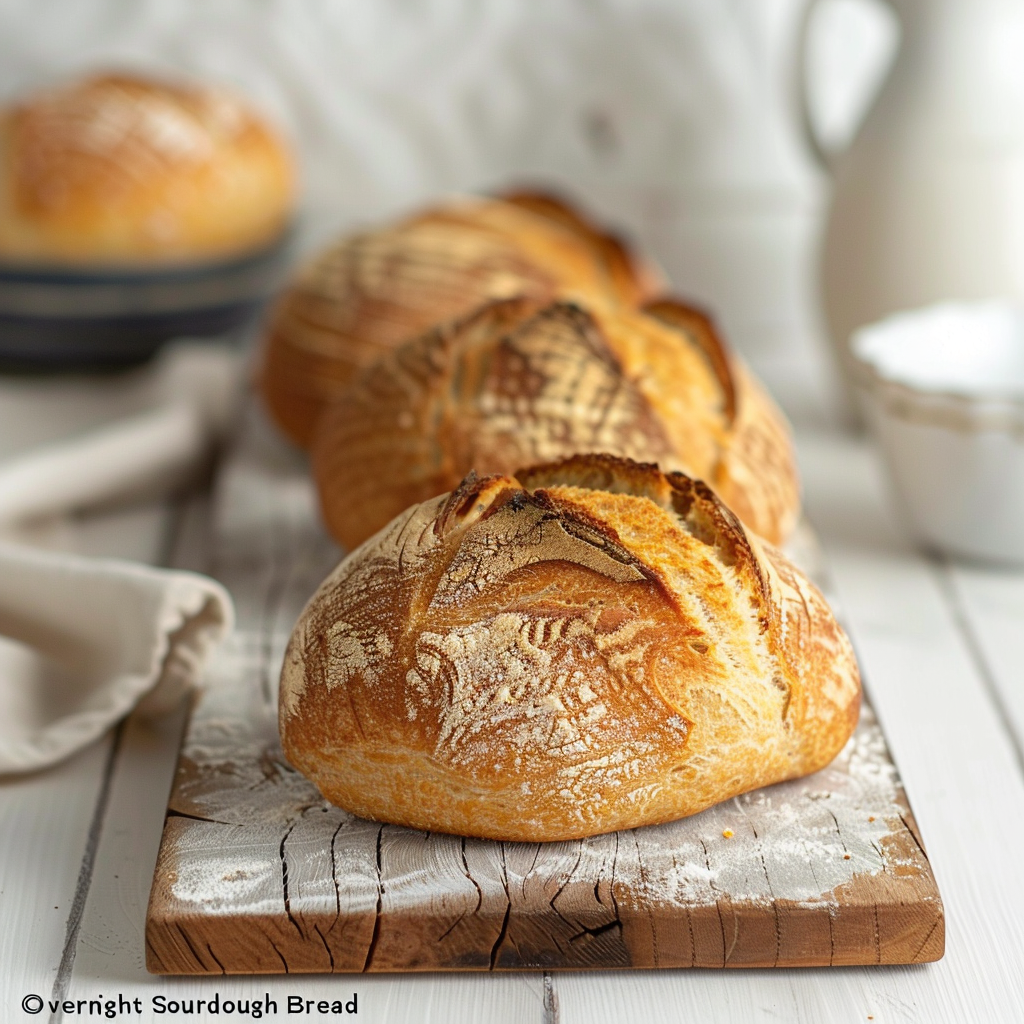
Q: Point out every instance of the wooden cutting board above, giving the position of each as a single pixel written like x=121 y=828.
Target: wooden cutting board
x=258 y=874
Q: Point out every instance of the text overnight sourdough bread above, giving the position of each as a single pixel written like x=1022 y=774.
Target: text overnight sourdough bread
x=374 y=290
x=520 y=382
x=120 y=169
x=588 y=646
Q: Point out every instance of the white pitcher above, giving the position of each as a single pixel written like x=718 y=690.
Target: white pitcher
x=928 y=200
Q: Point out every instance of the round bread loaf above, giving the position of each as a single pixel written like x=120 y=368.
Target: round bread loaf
x=373 y=291
x=119 y=169
x=518 y=383
x=589 y=646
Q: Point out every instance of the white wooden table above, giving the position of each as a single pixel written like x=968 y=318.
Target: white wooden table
x=942 y=650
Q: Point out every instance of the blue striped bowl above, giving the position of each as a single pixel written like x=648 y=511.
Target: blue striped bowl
x=71 y=318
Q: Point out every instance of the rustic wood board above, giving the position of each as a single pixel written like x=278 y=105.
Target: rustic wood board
x=258 y=874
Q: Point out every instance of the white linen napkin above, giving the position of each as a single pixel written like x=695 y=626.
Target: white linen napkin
x=189 y=398
x=84 y=640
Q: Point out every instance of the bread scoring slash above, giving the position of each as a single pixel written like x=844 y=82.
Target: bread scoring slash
x=585 y=646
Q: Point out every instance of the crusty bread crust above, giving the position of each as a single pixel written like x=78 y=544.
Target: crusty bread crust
x=119 y=169
x=372 y=291
x=588 y=646
x=519 y=382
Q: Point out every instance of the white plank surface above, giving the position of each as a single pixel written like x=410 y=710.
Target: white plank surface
x=44 y=825
x=46 y=818
x=990 y=604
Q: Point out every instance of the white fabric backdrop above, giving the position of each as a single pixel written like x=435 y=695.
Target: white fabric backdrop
x=669 y=117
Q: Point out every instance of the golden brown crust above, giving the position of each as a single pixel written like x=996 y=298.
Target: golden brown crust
x=520 y=382
x=593 y=647
x=635 y=280
x=376 y=290
x=122 y=169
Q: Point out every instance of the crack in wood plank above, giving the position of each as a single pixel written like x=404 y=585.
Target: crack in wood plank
x=560 y=887
x=771 y=892
x=718 y=904
x=927 y=939
x=172 y=813
x=284 y=881
x=595 y=932
x=330 y=955
x=375 y=935
x=914 y=836
x=648 y=909
x=496 y=948
x=334 y=878
x=192 y=949
x=281 y=956
x=209 y=949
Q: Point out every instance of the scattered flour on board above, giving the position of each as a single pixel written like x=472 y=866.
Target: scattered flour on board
x=797 y=841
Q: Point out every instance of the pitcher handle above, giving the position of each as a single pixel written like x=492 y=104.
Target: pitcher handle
x=801 y=92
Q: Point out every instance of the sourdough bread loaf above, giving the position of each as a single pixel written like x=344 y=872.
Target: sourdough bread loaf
x=372 y=291
x=584 y=647
x=520 y=381
x=121 y=169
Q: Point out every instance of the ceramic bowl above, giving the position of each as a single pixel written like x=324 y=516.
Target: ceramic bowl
x=944 y=394
x=73 y=318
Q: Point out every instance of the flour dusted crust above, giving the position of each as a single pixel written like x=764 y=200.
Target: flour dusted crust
x=121 y=169
x=587 y=646
x=521 y=381
x=372 y=291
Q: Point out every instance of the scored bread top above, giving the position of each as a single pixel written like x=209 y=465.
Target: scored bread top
x=121 y=169
x=372 y=291
x=520 y=381
x=586 y=646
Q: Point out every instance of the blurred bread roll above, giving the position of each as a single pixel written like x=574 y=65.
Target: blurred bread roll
x=372 y=291
x=588 y=646
x=121 y=169
x=520 y=382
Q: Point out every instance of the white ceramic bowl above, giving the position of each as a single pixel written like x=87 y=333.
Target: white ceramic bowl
x=944 y=390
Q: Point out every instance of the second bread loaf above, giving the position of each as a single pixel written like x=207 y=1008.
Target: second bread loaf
x=521 y=382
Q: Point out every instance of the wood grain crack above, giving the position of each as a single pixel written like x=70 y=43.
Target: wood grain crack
x=611 y=884
x=646 y=884
x=171 y=813
x=213 y=956
x=284 y=881
x=375 y=935
x=280 y=955
x=594 y=932
x=496 y=948
x=330 y=955
x=465 y=868
x=768 y=882
x=192 y=949
x=927 y=939
x=718 y=903
x=334 y=878
x=913 y=835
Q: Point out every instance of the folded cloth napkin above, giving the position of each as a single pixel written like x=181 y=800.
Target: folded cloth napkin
x=189 y=400
x=84 y=640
